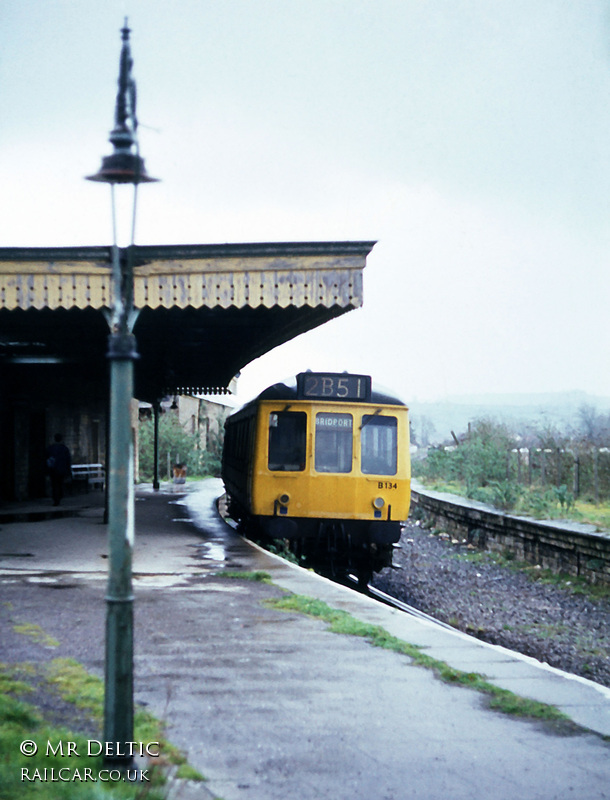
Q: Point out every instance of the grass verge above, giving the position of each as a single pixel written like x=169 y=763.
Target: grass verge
x=258 y=575
x=58 y=771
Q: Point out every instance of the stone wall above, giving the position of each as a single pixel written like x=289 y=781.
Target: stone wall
x=568 y=548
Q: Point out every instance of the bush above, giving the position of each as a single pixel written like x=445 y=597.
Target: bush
x=183 y=447
x=505 y=495
x=478 y=462
x=563 y=497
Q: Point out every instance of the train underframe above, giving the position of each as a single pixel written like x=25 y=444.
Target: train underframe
x=333 y=547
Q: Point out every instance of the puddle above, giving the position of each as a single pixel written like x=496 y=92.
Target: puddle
x=184 y=583
x=200 y=506
x=219 y=546
x=215 y=551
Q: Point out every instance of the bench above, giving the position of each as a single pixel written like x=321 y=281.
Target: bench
x=94 y=474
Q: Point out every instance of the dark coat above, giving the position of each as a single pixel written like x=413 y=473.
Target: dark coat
x=58 y=459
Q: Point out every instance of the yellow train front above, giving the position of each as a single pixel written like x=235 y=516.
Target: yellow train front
x=322 y=463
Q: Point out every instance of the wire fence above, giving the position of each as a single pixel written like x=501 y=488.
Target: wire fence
x=503 y=474
x=586 y=473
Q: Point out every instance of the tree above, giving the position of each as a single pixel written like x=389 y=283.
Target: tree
x=182 y=447
x=593 y=427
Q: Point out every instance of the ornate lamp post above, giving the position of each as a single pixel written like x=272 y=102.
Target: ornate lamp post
x=124 y=166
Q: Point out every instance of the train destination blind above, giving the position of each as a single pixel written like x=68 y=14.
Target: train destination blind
x=333 y=386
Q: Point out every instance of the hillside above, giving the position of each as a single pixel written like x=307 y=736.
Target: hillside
x=433 y=422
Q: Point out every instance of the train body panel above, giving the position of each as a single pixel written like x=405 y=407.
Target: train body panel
x=316 y=469
x=314 y=487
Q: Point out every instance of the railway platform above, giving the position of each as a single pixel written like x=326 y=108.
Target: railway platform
x=271 y=704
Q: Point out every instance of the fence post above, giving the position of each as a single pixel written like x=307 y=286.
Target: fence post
x=558 y=466
x=576 y=484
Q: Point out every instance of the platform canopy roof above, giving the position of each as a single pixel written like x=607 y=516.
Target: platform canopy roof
x=204 y=311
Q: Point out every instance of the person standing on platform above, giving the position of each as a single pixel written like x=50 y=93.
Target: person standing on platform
x=59 y=466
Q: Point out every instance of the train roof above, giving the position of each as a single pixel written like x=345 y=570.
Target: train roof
x=288 y=390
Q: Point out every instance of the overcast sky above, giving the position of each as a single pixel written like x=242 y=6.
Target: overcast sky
x=470 y=138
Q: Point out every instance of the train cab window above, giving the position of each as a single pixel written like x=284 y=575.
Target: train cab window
x=378 y=442
x=287 y=440
x=334 y=442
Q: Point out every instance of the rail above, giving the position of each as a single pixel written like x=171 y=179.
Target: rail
x=561 y=547
x=394 y=602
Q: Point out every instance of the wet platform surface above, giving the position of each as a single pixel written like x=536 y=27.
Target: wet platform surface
x=270 y=704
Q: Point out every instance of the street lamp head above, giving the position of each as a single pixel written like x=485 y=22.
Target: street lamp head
x=124 y=165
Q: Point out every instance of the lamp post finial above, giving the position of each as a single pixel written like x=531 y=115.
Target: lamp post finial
x=124 y=165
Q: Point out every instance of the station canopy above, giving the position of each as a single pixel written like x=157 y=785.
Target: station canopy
x=203 y=311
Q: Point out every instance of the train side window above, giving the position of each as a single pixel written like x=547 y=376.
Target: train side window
x=379 y=445
x=334 y=442
x=287 y=440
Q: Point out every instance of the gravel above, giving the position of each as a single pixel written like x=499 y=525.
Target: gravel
x=501 y=604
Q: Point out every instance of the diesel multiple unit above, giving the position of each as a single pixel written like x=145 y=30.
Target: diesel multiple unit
x=323 y=463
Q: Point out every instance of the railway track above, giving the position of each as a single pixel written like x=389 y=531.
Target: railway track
x=388 y=600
